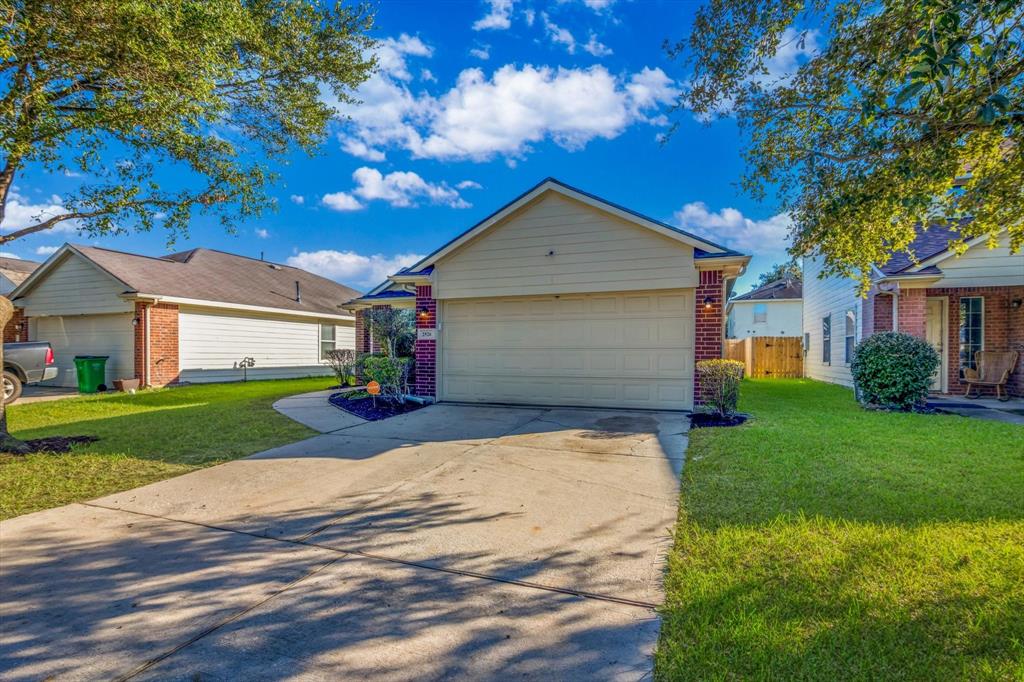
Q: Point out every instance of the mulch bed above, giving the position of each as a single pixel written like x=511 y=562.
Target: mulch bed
x=57 y=444
x=364 y=407
x=700 y=420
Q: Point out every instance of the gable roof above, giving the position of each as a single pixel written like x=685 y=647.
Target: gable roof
x=931 y=241
x=703 y=248
x=780 y=289
x=209 y=275
x=17 y=269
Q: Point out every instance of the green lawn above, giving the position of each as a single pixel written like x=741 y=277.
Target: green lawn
x=823 y=541
x=143 y=438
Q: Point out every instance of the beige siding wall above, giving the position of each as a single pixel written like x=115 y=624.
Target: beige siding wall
x=111 y=335
x=213 y=341
x=75 y=287
x=593 y=251
x=785 y=318
x=835 y=296
x=983 y=267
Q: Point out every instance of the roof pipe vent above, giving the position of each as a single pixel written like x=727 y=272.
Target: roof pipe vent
x=298 y=293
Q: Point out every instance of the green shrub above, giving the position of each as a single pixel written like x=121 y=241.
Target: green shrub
x=894 y=370
x=720 y=385
x=343 y=364
x=391 y=373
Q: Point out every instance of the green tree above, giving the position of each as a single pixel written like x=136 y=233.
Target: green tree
x=790 y=269
x=864 y=140
x=210 y=92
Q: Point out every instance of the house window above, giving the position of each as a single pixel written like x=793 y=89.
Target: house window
x=972 y=330
x=851 y=334
x=327 y=342
x=826 y=339
x=760 y=313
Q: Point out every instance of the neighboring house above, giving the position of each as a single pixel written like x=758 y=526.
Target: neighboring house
x=14 y=271
x=563 y=298
x=185 y=317
x=960 y=304
x=775 y=309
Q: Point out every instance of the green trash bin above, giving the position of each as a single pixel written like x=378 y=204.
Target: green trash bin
x=92 y=371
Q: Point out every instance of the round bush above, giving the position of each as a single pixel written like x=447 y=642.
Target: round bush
x=720 y=385
x=894 y=370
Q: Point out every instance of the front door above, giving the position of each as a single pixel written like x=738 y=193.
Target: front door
x=935 y=333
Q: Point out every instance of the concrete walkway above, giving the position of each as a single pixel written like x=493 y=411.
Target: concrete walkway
x=1009 y=412
x=313 y=410
x=448 y=543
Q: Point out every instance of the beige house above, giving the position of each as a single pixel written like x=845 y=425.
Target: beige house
x=183 y=318
x=563 y=298
x=774 y=309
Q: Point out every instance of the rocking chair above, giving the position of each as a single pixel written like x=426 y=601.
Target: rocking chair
x=994 y=369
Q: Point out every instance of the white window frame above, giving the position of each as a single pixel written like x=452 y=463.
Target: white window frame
x=959 y=330
x=333 y=341
x=826 y=340
x=847 y=348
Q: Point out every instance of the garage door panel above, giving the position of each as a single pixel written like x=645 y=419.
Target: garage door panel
x=72 y=335
x=625 y=350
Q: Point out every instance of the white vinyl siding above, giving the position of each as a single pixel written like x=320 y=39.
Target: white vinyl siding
x=212 y=342
x=558 y=245
x=626 y=350
x=72 y=335
x=833 y=296
x=784 y=318
x=983 y=267
x=75 y=287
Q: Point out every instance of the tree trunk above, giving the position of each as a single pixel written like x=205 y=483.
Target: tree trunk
x=8 y=443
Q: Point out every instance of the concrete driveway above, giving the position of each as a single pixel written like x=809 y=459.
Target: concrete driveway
x=452 y=542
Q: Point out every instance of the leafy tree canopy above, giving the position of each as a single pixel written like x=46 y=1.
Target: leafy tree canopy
x=115 y=89
x=790 y=269
x=863 y=141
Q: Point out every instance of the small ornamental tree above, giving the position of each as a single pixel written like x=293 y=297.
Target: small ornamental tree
x=343 y=364
x=720 y=385
x=393 y=330
x=894 y=370
x=391 y=373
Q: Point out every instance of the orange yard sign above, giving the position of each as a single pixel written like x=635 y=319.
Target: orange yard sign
x=373 y=388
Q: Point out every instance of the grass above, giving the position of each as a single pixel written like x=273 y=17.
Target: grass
x=823 y=541
x=144 y=437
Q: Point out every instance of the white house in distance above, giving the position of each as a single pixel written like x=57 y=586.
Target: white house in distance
x=563 y=298
x=182 y=318
x=774 y=309
x=960 y=304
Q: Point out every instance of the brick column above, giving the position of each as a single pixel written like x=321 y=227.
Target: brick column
x=708 y=329
x=163 y=344
x=426 y=349
x=877 y=314
x=362 y=333
x=911 y=312
x=11 y=332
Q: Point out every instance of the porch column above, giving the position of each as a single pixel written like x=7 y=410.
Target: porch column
x=426 y=348
x=708 y=330
x=911 y=312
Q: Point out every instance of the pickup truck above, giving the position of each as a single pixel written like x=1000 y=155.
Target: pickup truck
x=26 y=363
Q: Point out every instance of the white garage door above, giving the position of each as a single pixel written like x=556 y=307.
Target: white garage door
x=630 y=350
x=73 y=335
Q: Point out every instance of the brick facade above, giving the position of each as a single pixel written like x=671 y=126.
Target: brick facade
x=910 y=312
x=163 y=344
x=12 y=333
x=709 y=329
x=362 y=333
x=426 y=349
x=878 y=313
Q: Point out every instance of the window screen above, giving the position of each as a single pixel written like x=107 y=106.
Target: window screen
x=327 y=343
x=826 y=339
x=972 y=330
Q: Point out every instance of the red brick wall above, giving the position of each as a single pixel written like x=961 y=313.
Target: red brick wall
x=11 y=332
x=911 y=311
x=163 y=344
x=1004 y=330
x=425 y=349
x=708 y=330
x=878 y=314
x=362 y=333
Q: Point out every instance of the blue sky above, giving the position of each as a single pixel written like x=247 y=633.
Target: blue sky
x=474 y=103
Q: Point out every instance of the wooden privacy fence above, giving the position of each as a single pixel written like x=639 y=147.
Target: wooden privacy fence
x=773 y=357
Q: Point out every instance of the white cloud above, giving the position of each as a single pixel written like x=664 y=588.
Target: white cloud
x=298 y=199
x=483 y=52
x=391 y=53
x=598 y=5
x=530 y=16
x=403 y=189
x=360 y=149
x=20 y=212
x=469 y=184
x=596 y=47
x=498 y=18
x=46 y=250
x=262 y=233
x=558 y=35
x=351 y=267
x=731 y=228
x=341 y=201
x=427 y=75
x=795 y=47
